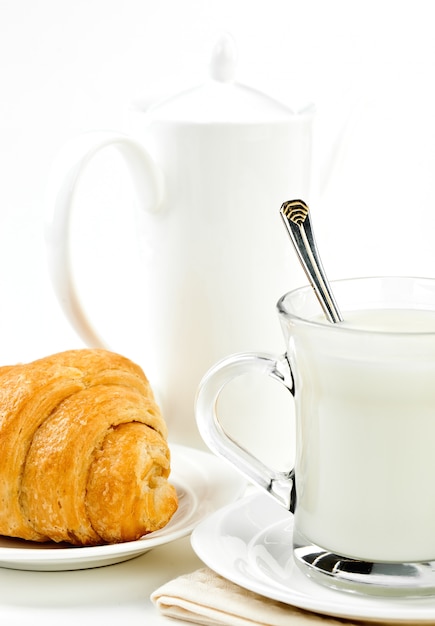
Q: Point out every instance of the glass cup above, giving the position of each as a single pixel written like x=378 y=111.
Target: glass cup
x=362 y=488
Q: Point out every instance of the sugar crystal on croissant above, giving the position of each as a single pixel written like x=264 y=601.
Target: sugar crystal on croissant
x=84 y=456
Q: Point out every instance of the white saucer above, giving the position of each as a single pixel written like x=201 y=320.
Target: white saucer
x=249 y=542
x=204 y=484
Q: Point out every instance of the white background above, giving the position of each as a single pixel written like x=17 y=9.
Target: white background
x=72 y=66
x=69 y=66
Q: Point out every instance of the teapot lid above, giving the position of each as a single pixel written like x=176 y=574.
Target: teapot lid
x=220 y=99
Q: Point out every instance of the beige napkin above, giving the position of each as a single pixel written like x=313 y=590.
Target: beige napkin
x=204 y=597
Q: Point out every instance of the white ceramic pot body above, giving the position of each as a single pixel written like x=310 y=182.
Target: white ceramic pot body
x=218 y=256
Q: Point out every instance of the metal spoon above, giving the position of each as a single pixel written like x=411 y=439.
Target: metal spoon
x=295 y=215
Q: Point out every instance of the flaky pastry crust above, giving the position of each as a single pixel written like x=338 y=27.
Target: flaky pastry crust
x=84 y=454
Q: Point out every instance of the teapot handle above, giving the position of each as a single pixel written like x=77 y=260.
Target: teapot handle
x=62 y=183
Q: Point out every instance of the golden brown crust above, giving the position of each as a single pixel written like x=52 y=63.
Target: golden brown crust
x=84 y=452
x=140 y=459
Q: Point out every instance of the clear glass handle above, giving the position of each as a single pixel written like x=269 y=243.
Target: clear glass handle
x=278 y=484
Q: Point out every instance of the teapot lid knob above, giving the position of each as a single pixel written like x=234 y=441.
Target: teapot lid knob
x=223 y=60
x=221 y=99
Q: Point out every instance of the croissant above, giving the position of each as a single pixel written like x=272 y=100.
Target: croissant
x=83 y=451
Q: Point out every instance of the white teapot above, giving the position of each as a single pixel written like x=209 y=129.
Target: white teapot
x=211 y=166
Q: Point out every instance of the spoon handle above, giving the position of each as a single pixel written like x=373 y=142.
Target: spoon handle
x=296 y=217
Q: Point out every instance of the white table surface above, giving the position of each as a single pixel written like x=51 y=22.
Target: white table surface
x=106 y=595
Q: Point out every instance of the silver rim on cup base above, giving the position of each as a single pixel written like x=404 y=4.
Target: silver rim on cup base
x=353 y=575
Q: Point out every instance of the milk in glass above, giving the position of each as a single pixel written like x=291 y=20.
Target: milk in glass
x=366 y=433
